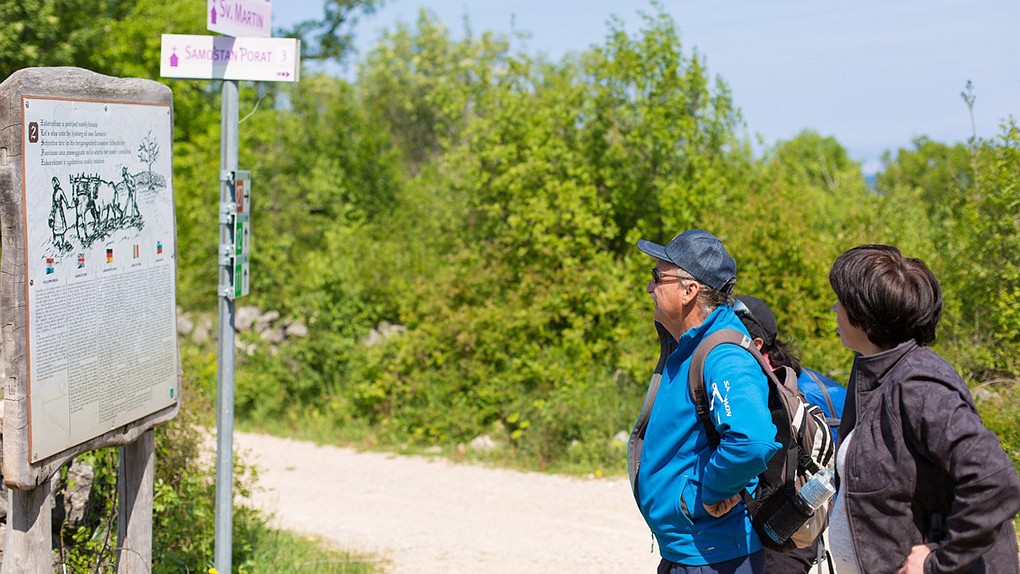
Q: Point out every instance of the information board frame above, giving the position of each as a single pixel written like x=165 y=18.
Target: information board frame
x=21 y=469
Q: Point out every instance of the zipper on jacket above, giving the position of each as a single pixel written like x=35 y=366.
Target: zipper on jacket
x=652 y=549
x=857 y=424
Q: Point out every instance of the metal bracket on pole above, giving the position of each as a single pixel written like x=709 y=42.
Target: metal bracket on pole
x=226 y=255
x=228 y=211
x=227 y=176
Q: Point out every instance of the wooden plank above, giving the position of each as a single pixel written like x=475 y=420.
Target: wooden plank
x=134 y=500
x=28 y=549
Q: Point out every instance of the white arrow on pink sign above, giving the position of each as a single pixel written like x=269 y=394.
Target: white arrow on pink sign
x=226 y=58
x=253 y=18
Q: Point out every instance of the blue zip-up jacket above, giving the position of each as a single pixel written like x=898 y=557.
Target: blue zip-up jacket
x=678 y=472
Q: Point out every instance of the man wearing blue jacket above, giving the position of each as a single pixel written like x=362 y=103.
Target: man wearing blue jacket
x=688 y=492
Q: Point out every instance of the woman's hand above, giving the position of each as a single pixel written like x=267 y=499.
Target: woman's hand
x=915 y=562
x=723 y=506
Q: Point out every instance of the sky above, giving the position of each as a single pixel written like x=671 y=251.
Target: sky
x=874 y=74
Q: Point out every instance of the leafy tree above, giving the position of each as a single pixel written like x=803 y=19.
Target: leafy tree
x=55 y=32
x=938 y=176
x=988 y=280
x=533 y=305
x=809 y=203
x=329 y=38
x=661 y=134
x=425 y=86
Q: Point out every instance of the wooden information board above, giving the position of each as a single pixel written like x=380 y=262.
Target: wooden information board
x=89 y=251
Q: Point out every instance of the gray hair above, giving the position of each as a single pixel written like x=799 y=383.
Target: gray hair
x=709 y=299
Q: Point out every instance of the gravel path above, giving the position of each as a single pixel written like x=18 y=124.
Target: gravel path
x=425 y=515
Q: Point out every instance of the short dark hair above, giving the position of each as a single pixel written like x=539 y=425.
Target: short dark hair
x=890 y=297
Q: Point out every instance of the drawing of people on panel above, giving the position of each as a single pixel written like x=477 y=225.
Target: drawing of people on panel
x=93 y=186
x=116 y=212
x=80 y=191
x=98 y=213
x=57 y=219
x=131 y=206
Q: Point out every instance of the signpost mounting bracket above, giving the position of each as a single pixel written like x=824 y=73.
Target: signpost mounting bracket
x=226 y=254
x=228 y=211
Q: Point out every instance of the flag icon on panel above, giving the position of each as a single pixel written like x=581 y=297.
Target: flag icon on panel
x=49 y=265
x=109 y=255
x=81 y=261
x=134 y=251
x=159 y=248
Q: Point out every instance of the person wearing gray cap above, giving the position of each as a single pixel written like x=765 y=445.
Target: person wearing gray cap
x=687 y=491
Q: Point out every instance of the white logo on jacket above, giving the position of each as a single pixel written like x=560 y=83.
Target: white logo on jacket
x=724 y=400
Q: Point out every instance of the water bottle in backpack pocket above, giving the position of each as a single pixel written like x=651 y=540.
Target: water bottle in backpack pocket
x=799 y=510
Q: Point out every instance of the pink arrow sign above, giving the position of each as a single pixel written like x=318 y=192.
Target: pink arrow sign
x=226 y=58
x=251 y=18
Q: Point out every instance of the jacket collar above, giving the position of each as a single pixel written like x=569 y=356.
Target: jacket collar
x=867 y=375
x=722 y=317
x=871 y=370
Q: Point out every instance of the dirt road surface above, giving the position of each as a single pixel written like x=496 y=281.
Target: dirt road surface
x=430 y=516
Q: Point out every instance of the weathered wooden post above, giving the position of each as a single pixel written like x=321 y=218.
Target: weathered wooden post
x=28 y=531
x=87 y=293
x=134 y=500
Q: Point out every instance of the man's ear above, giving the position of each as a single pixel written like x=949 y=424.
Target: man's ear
x=759 y=342
x=690 y=293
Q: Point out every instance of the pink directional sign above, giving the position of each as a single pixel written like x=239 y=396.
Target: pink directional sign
x=252 y=18
x=226 y=58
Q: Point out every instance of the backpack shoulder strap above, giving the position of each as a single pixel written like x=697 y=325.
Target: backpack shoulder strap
x=696 y=376
x=833 y=420
x=637 y=437
x=825 y=391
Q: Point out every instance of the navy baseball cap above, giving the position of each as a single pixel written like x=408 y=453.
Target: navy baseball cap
x=699 y=253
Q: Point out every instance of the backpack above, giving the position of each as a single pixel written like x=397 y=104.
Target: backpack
x=801 y=429
x=835 y=406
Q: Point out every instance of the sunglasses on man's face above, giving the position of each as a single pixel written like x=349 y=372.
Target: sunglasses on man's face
x=657 y=275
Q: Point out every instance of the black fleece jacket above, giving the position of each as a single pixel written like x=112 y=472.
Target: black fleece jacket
x=923 y=468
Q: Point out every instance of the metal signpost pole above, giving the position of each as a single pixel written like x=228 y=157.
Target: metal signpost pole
x=225 y=370
x=260 y=59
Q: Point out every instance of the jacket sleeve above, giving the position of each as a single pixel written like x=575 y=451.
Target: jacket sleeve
x=944 y=427
x=738 y=405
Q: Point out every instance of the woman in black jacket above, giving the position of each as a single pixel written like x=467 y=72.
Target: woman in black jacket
x=924 y=487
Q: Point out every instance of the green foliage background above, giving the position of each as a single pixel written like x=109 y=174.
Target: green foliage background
x=489 y=201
